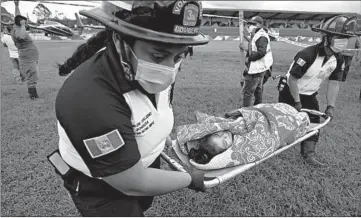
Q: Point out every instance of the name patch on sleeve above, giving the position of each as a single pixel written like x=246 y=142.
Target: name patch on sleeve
x=104 y=144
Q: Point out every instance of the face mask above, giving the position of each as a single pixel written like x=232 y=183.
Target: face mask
x=339 y=45
x=155 y=78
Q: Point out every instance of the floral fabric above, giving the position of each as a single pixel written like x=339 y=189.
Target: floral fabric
x=258 y=131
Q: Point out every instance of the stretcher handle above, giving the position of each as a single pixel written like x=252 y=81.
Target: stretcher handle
x=314 y=112
x=172 y=163
x=242 y=168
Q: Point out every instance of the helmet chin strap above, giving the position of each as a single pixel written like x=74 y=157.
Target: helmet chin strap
x=128 y=71
x=125 y=62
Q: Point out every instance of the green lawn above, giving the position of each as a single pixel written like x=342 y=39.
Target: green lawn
x=281 y=186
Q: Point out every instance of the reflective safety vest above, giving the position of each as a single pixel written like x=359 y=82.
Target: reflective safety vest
x=264 y=63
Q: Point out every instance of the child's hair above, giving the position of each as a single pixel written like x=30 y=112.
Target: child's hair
x=200 y=155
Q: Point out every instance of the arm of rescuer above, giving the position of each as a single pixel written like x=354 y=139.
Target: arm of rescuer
x=121 y=167
x=141 y=181
x=298 y=68
x=333 y=85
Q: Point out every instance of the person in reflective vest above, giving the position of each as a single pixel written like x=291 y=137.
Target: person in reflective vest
x=310 y=68
x=258 y=62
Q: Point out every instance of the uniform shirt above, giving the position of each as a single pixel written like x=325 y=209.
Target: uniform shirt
x=28 y=52
x=311 y=68
x=8 y=41
x=105 y=125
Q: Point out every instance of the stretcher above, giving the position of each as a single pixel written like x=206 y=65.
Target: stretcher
x=216 y=177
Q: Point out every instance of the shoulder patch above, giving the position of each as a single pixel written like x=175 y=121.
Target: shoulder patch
x=104 y=144
x=301 y=62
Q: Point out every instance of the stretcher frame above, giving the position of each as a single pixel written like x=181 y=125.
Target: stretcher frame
x=237 y=170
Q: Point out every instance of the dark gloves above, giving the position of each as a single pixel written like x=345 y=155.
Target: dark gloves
x=298 y=105
x=197 y=183
x=329 y=111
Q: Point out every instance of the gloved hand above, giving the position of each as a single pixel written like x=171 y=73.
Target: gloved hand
x=329 y=111
x=298 y=105
x=245 y=72
x=197 y=183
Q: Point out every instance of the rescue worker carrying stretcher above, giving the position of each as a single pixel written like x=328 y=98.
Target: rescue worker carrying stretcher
x=312 y=66
x=114 y=111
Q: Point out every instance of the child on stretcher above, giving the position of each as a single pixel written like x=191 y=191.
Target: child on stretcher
x=241 y=137
x=210 y=146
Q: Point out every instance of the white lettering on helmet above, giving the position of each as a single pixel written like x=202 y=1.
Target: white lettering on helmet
x=186 y=30
x=178 y=6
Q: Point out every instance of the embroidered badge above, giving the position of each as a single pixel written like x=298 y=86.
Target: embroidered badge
x=301 y=62
x=104 y=144
x=191 y=11
x=190 y=15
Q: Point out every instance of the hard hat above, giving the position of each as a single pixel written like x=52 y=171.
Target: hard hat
x=339 y=25
x=255 y=20
x=354 y=26
x=175 y=22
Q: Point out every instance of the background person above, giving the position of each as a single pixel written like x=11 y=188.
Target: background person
x=114 y=111
x=13 y=53
x=28 y=52
x=258 y=61
x=312 y=66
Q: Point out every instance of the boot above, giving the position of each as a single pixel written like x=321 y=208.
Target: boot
x=33 y=93
x=308 y=154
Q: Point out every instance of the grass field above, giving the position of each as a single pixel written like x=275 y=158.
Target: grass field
x=281 y=186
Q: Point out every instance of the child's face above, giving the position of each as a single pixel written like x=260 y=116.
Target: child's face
x=218 y=142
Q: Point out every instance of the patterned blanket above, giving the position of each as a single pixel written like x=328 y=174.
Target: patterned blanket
x=258 y=131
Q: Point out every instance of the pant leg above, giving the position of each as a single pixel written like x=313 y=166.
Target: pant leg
x=311 y=102
x=30 y=70
x=258 y=94
x=348 y=61
x=250 y=84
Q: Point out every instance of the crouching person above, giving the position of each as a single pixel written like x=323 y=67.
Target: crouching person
x=311 y=67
